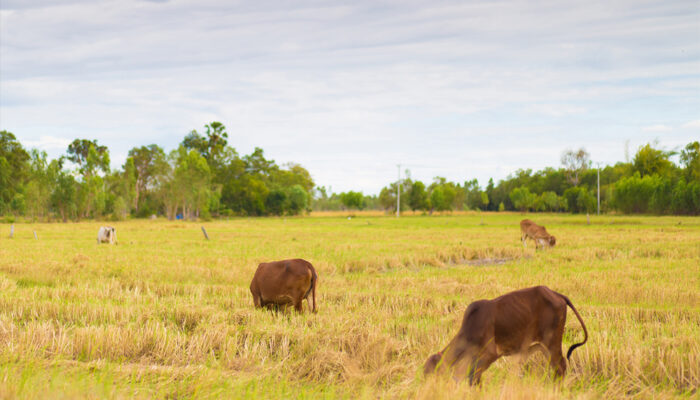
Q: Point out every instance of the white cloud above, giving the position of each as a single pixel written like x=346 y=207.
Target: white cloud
x=657 y=128
x=48 y=143
x=692 y=124
x=350 y=90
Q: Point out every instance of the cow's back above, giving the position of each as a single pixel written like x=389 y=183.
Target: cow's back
x=524 y=224
x=520 y=316
x=277 y=277
x=532 y=230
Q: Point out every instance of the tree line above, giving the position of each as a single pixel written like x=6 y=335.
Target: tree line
x=650 y=183
x=204 y=177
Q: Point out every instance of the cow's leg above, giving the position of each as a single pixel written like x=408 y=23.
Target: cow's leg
x=479 y=365
x=556 y=358
x=257 y=299
x=298 y=305
x=523 y=238
x=558 y=364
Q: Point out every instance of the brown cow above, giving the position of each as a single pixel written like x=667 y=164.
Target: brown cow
x=530 y=230
x=511 y=324
x=281 y=283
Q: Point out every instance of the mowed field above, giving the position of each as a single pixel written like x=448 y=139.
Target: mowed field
x=168 y=314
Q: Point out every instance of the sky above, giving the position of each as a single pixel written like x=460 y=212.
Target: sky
x=350 y=90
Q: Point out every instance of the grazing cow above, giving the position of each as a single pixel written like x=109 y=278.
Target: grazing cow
x=530 y=230
x=511 y=324
x=107 y=234
x=281 y=283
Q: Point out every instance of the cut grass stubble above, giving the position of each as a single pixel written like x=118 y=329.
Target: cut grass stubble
x=167 y=314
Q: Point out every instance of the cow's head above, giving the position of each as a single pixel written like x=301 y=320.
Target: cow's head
x=112 y=233
x=432 y=363
x=552 y=241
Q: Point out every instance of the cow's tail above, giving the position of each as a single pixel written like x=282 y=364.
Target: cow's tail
x=312 y=289
x=585 y=331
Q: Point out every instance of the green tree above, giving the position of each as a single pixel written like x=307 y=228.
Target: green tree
x=192 y=176
x=147 y=162
x=690 y=159
x=63 y=197
x=523 y=199
x=88 y=156
x=353 y=200
x=210 y=145
x=579 y=199
x=549 y=201
x=42 y=179
x=417 y=196
x=14 y=169
x=298 y=200
x=649 y=161
x=475 y=198
x=442 y=194
x=276 y=200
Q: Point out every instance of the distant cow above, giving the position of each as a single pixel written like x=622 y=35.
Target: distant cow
x=507 y=325
x=283 y=283
x=530 y=230
x=107 y=234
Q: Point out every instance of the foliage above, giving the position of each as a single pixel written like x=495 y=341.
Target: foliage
x=14 y=169
x=575 y=163
x=353 y=200
x=651 y=161
x=690 y=158
x=205 y=177
x=417 y=196
x=523 y=199
x=580 y=199
x=202 y=177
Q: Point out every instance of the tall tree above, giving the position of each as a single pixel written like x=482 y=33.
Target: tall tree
x=211 y=145
x=147 y=161
x=690 y=158
x=575 y=163
x=88 y=156
x=417 y=196
x=90 y=159
x=353 y=200
x=63 y=197
x=14 y=168
x=649 y=161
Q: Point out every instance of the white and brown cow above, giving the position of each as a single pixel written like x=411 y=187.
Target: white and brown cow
x=107 y=234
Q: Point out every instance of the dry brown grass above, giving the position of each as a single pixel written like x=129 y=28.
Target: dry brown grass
x=167 y=314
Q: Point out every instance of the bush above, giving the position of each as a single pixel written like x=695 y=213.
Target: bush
x=650 y=194
x=523 y=199
x=579 y=199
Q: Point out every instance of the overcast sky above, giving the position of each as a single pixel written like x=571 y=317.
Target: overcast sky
x=463 y=89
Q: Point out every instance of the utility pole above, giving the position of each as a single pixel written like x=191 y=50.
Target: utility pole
x=598 y=188
x=398 y=193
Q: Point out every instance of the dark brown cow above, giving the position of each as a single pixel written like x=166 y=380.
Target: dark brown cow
x=281 y=283
x=513 y=323
x=530 y=230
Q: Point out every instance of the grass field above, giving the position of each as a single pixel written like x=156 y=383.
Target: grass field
x=167 y=314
